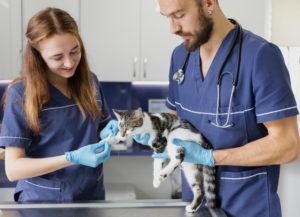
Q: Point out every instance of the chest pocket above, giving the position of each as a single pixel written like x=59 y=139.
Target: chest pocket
x=226 y=131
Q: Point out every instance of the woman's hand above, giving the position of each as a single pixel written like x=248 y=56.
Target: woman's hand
x=90 y=155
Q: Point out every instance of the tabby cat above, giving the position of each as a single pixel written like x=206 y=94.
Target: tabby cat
x=163 y=128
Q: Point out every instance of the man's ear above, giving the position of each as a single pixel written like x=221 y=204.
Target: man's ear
x=209 y=6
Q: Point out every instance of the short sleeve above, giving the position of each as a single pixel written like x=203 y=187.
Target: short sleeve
x=15 y=130
x=274 y=98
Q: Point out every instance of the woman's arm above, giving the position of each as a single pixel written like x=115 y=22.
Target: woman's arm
x=18 y=166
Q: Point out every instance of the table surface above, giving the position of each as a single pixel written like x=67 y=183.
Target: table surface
x=137 y=208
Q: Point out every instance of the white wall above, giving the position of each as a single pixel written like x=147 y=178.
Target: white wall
x=285 y=22
x=254 y=15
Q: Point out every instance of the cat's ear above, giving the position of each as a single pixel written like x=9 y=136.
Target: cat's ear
x=118 y=113
x=139 y=112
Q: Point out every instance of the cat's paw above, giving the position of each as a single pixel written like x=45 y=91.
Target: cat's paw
x=156 y=182
x=190 y=209
x=162 y=177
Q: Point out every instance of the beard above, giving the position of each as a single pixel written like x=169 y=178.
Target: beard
x=201 y=34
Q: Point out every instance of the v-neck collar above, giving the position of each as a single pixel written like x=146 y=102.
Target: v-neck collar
x=215 y=64
x=57 y=94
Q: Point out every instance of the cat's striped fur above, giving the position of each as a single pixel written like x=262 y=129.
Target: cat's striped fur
x=163 y=128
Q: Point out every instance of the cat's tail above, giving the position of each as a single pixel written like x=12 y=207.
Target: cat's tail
x=209 y=182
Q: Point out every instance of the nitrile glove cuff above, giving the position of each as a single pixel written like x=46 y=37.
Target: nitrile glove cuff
x=210 y=158
x=70 y=157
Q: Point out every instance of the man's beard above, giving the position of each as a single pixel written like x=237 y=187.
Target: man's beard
x=202 y=34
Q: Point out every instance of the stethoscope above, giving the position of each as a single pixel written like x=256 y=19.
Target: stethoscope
x=237 y=40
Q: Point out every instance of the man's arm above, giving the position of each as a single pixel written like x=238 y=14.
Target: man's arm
x=281 y=145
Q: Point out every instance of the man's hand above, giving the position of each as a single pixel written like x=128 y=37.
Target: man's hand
x=195 y=153
x=142 y=140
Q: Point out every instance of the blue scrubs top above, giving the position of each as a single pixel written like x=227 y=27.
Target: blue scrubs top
x=63 y=129
x=263 y=94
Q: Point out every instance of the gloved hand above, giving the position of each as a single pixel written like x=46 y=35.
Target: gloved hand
x=111 y=129
x=90 y=155
x=194 y=153
x=142 y=140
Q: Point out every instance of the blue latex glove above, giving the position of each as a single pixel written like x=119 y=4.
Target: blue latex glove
x=194 y=153
x=111 y=129
x=90 y=155
x=163 y=155
x=142 y=140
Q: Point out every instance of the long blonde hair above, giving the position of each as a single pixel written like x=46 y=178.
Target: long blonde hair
x=43 y=25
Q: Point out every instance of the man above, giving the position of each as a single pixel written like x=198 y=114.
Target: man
x=249 y=117
x=252 y=129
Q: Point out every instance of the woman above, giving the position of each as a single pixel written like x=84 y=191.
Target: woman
x=53 y=113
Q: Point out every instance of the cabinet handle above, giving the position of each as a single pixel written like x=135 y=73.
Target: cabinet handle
x=135 y=59
x=145 y=67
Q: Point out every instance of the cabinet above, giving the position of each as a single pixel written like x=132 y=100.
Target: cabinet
x=14 y=16
x=30 y=7
x=11 y=40
x=127 y=40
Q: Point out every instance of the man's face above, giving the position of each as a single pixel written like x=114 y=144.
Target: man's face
x=188 y=20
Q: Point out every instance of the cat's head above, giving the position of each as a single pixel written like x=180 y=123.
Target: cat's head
x=129 y=121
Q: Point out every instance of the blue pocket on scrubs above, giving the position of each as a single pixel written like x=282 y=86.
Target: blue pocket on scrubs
x=37 y=190
x=244 y=193
x=234 y=135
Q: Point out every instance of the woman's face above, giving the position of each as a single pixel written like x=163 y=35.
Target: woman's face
x=62 y=54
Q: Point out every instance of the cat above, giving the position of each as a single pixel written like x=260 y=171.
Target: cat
x=163 y=128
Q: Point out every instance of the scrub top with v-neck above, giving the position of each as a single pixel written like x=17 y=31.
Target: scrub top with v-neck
x=263 y=94
x=63 y=129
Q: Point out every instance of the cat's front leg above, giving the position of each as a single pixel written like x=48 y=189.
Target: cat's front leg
x=157 y=167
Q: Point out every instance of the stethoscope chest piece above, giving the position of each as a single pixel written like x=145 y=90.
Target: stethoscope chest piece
x=179 y=76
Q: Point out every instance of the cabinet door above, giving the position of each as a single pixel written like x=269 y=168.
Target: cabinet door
x=30 y=7
x=11 y=39
x=110 y=30
x=157 y=43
